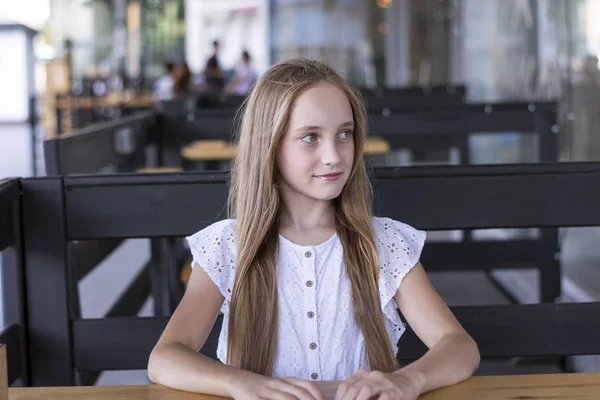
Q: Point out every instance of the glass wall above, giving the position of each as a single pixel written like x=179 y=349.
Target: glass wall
x=162 y=34
x=339 y=32
x=503 y=50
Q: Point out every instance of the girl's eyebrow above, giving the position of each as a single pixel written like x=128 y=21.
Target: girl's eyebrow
x=347 y=124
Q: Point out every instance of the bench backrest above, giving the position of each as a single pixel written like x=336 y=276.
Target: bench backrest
x=414 y=127
x=416 y=96
x=94 y=207
x=119 y=145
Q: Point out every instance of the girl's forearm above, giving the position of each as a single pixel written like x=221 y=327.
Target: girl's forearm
x=452 y=359
x=177 y=366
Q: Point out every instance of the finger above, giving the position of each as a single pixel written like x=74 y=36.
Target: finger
x=298 y=392
x=352 y=390
x=311 y=387
x=345 y=385
x=384 y=396
x=367 y=391
x=274 y=394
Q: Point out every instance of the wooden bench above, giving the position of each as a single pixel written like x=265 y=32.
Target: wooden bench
x=452 y=125
x=116 y=146
x=430 y=127
x=434 y=127
x=14 y=336
x=59 y=210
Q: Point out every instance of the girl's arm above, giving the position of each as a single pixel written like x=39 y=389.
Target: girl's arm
x=175 y=361
x=453 y=355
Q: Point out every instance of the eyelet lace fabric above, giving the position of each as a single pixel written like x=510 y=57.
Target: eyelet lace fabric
x=318 y=337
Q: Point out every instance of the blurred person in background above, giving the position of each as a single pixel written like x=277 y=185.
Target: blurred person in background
x=213 y=73
x=244 y=77
x=163 y=87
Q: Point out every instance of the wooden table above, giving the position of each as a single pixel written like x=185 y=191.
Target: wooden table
x=159 y=170
x=211 y=152
x=538 y=387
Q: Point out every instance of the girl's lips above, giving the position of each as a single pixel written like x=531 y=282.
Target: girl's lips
x=329 y=177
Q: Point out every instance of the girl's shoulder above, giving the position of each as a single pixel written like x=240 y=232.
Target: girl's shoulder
x=399 y=247
x=213 y=249
x=387 y=229
x=397 y=243
x=224 y=229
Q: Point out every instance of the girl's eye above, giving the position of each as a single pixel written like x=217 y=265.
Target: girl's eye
x=309 y=138
x=345 y=135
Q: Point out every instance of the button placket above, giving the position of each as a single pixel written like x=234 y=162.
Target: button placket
x=310 y=308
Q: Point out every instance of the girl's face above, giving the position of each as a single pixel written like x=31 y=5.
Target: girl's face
x=316 y=153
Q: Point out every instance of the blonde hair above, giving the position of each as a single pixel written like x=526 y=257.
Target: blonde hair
x=255 y=202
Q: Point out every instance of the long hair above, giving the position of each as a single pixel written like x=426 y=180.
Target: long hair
x=254 y=200
x=183 y=79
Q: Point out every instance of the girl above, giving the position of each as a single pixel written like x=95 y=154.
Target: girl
x=308 y=281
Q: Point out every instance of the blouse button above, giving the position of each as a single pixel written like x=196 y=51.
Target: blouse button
x=310 y=314
x=314 y=376
x=307 y=254
x=313 y=346
x=309 y=283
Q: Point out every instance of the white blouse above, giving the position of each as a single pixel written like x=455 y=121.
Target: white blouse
x=318 y=337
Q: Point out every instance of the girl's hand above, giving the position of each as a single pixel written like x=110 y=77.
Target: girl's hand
x=365 y=385
x=255 y=387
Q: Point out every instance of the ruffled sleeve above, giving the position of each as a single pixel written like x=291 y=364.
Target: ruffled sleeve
x=399 y=248
x=214 y=249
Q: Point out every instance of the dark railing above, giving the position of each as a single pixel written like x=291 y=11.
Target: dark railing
x=15 y=334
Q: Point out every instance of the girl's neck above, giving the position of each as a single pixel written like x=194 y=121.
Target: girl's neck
x=307 y=226
x=306 y=216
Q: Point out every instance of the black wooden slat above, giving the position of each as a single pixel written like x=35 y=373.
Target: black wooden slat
x=414 y=96
x=480 y=255
x=47 y=292
x=13 y=274
x=83 y=154
x=436 y=125
x=13 y=336
x=208 y=128
x=500 y=331
x=523 y=330
x=452 y=197
x=124 y=343
x=207 y=202
x=9 y=193
x=541 y=196
x=93 y=148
